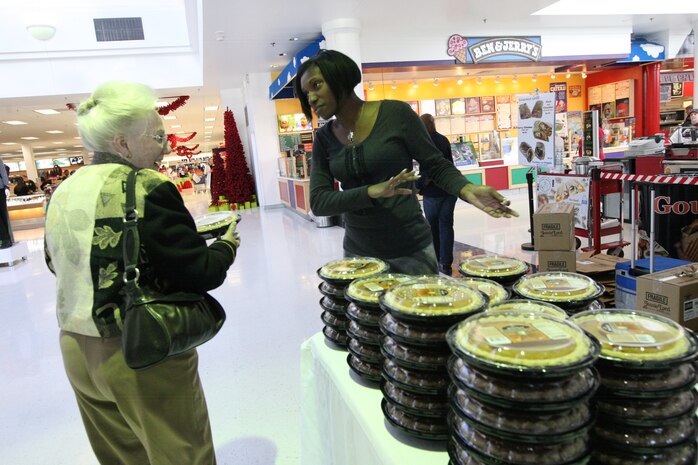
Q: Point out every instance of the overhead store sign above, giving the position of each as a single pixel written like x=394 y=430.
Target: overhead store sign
x=644 y=51
x=669 y=78
x=282 y=86
x=493 y=49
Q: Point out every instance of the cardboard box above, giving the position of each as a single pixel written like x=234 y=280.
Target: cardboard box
x=553 y=227
x=589 y=264
x=671 y=293
x=555 y=260
x=626 y=279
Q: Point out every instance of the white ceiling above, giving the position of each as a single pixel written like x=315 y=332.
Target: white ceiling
x=250 y=29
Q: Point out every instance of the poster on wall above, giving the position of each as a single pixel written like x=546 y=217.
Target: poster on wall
x=487 y=104
x=503 y=116
x=565 y=189
x=427 y=106
x=443 y=107
x=464 y=154
x=536 y=124
x=458 y=106
x=560 y=91
x=302 y=123
x=574 y=125
x=509 y=150
x=472 y=105
x=575 y=91
x=414 y=104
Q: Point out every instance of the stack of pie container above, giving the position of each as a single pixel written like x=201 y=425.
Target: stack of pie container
x=363 y=312
x=336 y=276
x=503 y=270
x=572 y=292
x=522 y=383
x=417 y=317
x=646 y=404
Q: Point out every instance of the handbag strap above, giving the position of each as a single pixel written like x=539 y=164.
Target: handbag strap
x=131 y=240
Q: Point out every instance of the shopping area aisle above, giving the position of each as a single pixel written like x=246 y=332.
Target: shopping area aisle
x=250 y=370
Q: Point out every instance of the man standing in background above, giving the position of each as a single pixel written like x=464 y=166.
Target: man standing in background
x=5 y=231
x=438 y=204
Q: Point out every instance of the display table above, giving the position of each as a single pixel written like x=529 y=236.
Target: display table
x=342 y=421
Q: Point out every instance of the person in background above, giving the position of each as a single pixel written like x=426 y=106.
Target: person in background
x=687 y=133
x=687 y=111
x=21 y=187
x=438 y=204
x=158 y=415
x=369 y=148
x=6 y=239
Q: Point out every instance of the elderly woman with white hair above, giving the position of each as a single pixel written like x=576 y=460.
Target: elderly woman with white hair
x=157 y=415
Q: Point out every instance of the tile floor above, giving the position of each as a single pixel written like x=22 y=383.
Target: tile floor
x=250 y=370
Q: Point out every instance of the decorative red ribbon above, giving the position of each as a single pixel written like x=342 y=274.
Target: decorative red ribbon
x=178 y=102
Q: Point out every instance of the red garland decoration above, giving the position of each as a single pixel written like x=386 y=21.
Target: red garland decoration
x=71 y=106
x=179 y=101
x=184 y=151
x=174 y=140
x=239 y=185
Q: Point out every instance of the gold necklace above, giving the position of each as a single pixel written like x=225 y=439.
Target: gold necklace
x=350 y=136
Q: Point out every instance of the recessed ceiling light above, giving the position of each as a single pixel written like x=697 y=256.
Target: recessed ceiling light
x=40 y=147
x=14 y=122
x=209 y=119
x=169 y=117
x=208 y=132
x=459 y=82
x=161 y=104
x=211 y=108
x=60 y=150
x=179 y=132
x=394 y=86
x=175 y=126
x=9 y=143
x=78 y=137
x=208 y=127
x=29 y=138
x=76 y=146
x=48 y=111
x=54 y=131
x=58 y=142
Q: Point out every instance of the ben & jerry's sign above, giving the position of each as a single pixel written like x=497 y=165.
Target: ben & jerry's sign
x=499 y=49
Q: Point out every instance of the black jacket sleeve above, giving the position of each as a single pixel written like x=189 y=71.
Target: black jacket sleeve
x=174 y=248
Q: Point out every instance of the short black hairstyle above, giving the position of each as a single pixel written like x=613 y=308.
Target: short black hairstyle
x=341 y=73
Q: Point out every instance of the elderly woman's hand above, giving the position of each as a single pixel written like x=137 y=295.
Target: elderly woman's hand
x=488 y=200
x=231 y=235
x=390 y=187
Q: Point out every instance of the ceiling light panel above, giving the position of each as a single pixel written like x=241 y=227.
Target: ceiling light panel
x=48 y=111
x=54 y=131
x=211 y=108
x=14 y=122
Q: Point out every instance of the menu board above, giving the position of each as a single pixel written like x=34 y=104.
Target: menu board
x=458 y=125
x=536 y=126
x=472 y=124
x=486 y=123
x=503 y=116
x=443 y=125
x=487 y=104
x=458 y=106
x=443 y=107
x=614 y=100
x=594 y=95
x=428 y=106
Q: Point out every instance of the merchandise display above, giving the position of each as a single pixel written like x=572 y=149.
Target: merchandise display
x=432 y=300
x=494 y=291
x=530 y=306
x=519 y=342
x=646 y=404
x=568 y=290
x=500 y=269
x=636 y=339
x=344 y=271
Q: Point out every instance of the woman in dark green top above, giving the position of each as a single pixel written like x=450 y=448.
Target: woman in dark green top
x=369 y=148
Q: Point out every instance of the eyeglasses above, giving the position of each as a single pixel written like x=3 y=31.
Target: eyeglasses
x=159 y=138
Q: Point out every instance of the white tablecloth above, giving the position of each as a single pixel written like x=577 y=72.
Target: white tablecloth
x=342 y=421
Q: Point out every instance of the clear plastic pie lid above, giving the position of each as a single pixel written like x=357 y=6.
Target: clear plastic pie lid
x=367 y=290
x=558 y=287
x=492 y=266
x=637 y=337
x=349 y=269
x=522 y=342
x=433 y=296
x=493 y=290
x=531 y=306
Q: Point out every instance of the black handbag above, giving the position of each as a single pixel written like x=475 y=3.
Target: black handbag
x=156 y=325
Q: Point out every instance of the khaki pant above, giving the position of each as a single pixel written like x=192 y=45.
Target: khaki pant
x=155 y=416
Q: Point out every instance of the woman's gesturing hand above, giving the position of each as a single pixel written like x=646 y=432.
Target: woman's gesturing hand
x=390 y=187
x=488 y=200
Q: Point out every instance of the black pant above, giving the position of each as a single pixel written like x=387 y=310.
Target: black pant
x=6 y=238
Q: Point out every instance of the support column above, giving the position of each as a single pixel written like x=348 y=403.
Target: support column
x=29 y=161
x=343 y=35
x=651 y=86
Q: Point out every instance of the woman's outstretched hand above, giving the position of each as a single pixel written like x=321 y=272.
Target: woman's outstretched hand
x=488 y=200
x=390 y=187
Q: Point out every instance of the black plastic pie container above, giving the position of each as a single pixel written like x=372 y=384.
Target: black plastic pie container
x=417 y=358
x=367 y=371
x=418 y=382
x=364 y=316
x=430 y=429
x=365 y=352
x=414 y=335
x=364 y=334
x=424 y=405
x=336 y=337
x=606 y=453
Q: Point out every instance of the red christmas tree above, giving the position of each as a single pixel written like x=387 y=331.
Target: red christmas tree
x=217 y=176
x=239 y=185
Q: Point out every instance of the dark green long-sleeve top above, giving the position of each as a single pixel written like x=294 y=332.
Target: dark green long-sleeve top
x=386 y=227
